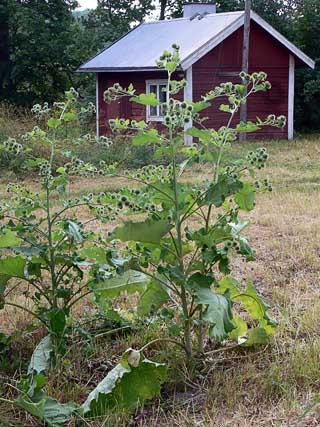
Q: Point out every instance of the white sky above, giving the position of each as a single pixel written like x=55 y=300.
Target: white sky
x=87 y=4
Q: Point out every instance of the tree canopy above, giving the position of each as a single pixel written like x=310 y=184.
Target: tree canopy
x=42 y=43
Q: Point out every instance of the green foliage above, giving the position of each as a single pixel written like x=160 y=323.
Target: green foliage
x=41 y=245
x=149 y=231
x=40 y=360
x=130 y=383
x=35 y=401
x=183 y=264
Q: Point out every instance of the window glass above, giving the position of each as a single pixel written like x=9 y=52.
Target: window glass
x=162 y=97
x=159 y=89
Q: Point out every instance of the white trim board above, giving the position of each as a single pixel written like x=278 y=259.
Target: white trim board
x=97 y=105
x=188 y=96
x=291 y=98
x=219 y=38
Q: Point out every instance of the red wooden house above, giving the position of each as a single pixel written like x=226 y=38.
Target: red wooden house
x=211 y=53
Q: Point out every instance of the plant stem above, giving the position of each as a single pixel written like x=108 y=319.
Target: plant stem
x=164 y=340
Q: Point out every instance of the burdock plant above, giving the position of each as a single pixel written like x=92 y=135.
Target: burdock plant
x=181 y=250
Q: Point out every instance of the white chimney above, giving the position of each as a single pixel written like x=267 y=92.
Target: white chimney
x=192 y=9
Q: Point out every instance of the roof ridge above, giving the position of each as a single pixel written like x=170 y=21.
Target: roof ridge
x=208 y=15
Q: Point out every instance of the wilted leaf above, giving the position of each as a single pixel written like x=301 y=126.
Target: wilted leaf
x=230 y=285
x=35 y=401
x=200 y=105
x=40 y=360
x=252 y=302
x=148 y=231
x=74 y=231
x=48 y=409
x=125 y=387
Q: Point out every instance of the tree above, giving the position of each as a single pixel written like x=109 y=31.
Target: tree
x=40 y=33
x=306 y=28
x=111 y=19
x=4 y=44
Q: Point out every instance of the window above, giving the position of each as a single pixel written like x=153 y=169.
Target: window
x=158 y=87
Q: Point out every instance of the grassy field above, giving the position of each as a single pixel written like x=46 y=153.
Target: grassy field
x=270 y=386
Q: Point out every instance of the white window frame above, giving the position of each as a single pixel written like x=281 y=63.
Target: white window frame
x=156 y=82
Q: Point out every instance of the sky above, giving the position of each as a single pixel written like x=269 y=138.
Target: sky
x=87 y=4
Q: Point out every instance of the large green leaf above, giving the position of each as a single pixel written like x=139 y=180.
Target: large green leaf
x=49 y=410
x=225 y=187
x=94 y=252
x=74 y=231
x=128 y=385
x=130 y=282
x=245 y=198
x=13 y=266
x=257 y=336
x=146 y=137
x=153 y=298
x=204 y=135
x=218 y=313
x=9 y=238
x=240 y=332
x=146 y=99
x=230 y=285
x=35 y=401
x=40 y=359
x=253 y=303
x=148 y=231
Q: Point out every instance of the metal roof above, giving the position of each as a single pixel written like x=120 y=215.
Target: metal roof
x=141 y=47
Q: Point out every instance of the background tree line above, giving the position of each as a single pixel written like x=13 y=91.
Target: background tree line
x=42 y=42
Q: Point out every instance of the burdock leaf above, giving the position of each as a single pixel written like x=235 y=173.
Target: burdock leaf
x=8 y=238
x=47 y=409
x=148 y=231
x=146 y=137
x=146 y=99
x=153 y=298
x=125 y=387
x=217 y=314
x=130 y=281
x=245 y=198
x=40 y=359
x=13 y=266
x=225 y=187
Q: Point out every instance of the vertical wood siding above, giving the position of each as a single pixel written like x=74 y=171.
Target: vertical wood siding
x=267 y=55
x=124 y=108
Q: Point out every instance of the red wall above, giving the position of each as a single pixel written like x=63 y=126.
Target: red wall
x=124 y=108
x=266 y=54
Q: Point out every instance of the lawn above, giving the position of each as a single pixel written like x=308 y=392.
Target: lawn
x=269 y=386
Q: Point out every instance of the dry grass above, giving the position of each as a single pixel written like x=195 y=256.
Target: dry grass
x=267 y=387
